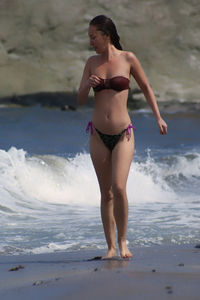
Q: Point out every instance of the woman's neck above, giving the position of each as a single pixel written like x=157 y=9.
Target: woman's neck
x=109 y=53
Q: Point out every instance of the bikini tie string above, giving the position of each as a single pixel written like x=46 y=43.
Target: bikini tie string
x=90 y=127
x=128 y=129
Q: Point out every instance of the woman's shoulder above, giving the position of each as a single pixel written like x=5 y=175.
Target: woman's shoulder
x=129 y=56
x=92 y=59
x=90 y=63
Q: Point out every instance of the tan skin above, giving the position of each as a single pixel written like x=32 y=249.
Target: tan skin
x=110 y=116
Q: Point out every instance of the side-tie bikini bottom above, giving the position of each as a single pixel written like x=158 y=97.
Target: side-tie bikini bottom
x=110 y=140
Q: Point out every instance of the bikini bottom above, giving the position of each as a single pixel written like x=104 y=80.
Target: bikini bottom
x=110 y=140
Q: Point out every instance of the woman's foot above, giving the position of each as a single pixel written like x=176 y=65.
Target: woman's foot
x=110 y=254
x=124 y=251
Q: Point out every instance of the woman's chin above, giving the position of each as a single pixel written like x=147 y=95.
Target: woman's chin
x=97 y=50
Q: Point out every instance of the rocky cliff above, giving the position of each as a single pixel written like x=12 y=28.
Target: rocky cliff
x=44 y=43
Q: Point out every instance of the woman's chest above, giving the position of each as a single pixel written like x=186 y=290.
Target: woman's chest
x=111 y=68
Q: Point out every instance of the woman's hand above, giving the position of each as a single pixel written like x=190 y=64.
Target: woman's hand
x=162 y=125
x=94 y=81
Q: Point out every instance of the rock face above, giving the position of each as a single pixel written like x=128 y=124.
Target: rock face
x=44 y=43
x=35 y=41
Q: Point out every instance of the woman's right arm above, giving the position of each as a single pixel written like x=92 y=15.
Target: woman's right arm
x=85 y=86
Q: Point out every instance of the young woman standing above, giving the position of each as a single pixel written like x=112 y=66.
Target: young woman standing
x=112 y=138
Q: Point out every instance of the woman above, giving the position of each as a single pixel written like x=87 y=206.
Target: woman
x=112 y=138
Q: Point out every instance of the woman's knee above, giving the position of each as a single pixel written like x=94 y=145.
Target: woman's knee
x=107 y=195
x=119 y=191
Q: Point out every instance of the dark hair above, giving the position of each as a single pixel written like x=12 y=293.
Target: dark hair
x=106 y=25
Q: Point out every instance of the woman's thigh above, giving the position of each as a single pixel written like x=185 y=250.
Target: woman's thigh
x=101 y=158
x=122 y=156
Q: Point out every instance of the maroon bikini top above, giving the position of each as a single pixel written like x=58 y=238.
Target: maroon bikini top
x=117 y=83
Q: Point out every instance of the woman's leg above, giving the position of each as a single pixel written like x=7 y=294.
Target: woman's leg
x=101 y=158
x=122 y=156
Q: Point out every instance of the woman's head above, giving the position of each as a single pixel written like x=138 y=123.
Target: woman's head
x=106 y=26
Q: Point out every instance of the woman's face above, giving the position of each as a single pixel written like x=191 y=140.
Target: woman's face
x=98 y=40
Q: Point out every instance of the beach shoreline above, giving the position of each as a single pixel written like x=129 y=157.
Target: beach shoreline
x=156 y=272
x=67 y=101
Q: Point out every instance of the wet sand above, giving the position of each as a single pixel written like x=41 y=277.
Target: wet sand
x=157 y=272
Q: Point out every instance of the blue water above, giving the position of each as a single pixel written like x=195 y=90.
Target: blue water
x=52 y=131
x=49 y=195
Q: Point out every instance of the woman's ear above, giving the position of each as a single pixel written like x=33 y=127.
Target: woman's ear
x=108 y=38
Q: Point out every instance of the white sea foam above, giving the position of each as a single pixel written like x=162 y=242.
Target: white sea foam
x=31 y=181
x=46 y=179
x=50 y=203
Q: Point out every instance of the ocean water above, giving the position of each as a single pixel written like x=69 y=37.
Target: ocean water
x=49 y=195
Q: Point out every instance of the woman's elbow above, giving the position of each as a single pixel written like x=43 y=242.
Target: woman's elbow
x=145 y=87
x=82 y=95
x=80 y=100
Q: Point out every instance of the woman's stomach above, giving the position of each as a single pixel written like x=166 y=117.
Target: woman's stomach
x=110 y=115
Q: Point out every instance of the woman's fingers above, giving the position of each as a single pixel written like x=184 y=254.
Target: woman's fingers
x=163 y=126
x=163 y=130
x=94 y=80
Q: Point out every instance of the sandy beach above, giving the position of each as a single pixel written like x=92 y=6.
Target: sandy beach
x=157 y=272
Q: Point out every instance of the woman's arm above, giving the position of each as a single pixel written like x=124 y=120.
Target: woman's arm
x=87 y=82
x=139 y=75
x=85 y=86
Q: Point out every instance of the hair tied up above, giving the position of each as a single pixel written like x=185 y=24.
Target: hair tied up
x=106 y=25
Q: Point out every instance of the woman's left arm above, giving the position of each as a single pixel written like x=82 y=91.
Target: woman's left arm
x=139 y=75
